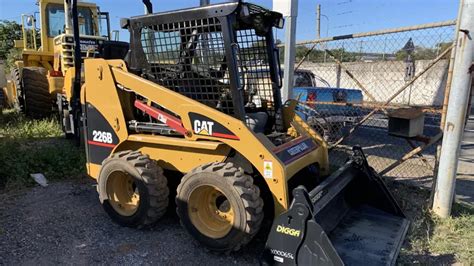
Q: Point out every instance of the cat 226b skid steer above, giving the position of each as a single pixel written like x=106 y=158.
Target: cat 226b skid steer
x=182 y=108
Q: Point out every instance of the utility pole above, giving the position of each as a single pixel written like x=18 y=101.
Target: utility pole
x=289 y=9
x=318 y=22
x=456 y=115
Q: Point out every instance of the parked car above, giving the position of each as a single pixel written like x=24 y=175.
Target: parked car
x=329 y=110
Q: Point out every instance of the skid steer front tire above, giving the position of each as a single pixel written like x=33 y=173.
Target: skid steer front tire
x=219 y=206
x=132 y=189
x=36 y=97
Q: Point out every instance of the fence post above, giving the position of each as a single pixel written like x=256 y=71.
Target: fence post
x=290 y=50
x=338 y=76
x=455 y=117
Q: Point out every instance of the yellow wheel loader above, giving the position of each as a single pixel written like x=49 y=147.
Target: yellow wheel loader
x=40 y=82
x=182 y=108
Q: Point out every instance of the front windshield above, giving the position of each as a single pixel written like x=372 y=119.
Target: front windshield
x=56 y=24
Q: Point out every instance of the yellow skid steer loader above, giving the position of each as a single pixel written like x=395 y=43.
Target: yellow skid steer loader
x=183 y=101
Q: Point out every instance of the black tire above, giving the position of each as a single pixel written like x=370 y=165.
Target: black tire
x=16 y=79
x=36 y=97
x=243 y=198
x=148 y=180
x=2 y=100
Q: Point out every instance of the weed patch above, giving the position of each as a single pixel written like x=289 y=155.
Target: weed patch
x=455 y=234
x=432 y=240
x=17 y=126
x=35 y=146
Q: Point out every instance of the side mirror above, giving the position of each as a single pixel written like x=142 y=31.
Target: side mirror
x=29 y=21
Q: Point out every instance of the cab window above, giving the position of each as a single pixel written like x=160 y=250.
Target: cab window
x=56 y=24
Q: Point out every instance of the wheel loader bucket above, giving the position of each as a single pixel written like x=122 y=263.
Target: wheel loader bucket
x=349 y=219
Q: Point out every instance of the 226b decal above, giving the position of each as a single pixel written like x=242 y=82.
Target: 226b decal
x=102 y=136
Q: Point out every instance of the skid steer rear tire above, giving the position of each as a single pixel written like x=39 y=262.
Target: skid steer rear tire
x=36 y=97
x=132 y=189
x=219 y=206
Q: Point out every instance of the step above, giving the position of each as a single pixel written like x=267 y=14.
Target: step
x=469 y=125
x=467 y=150
x=468 y=136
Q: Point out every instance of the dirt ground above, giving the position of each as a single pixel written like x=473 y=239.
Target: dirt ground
x=65 y=224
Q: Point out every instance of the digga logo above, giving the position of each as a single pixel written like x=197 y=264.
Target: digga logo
x=288 y=231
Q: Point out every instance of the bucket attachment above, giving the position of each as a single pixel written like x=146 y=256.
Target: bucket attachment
x=349 y=219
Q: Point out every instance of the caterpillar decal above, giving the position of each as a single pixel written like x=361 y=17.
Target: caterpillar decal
x=205 y=126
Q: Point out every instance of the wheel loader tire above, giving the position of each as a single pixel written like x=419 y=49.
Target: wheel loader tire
x=17 y=103
x=219 y=206
x=2 y=100
x=132 y=189
x=36 y=97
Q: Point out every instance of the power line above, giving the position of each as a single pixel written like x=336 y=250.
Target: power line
x=344 y=13
x=343 y=26
x=344 y=2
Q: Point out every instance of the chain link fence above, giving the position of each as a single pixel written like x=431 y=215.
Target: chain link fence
x=358 y=80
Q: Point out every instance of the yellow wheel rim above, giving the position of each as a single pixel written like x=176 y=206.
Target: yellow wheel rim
x=210 y=211
x=123 y=193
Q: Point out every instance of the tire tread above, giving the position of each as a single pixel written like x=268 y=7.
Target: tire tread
x=152 y=176
x=244 y=185
x=37 y=99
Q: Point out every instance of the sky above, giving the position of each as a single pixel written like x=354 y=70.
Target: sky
x=340 y=17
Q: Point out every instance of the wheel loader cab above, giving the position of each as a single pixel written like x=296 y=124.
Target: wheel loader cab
x=47 y=54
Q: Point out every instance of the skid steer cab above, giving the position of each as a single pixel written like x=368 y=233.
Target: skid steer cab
x=186 y=107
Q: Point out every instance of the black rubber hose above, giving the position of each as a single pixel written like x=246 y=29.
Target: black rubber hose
x=76 y=105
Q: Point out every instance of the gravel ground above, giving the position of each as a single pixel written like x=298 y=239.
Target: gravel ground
x=65 y=224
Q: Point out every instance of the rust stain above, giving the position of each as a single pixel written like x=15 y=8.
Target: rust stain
x=450 y=127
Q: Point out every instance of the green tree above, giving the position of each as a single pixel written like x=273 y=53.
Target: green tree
x=9 y=31
x=423 y=53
